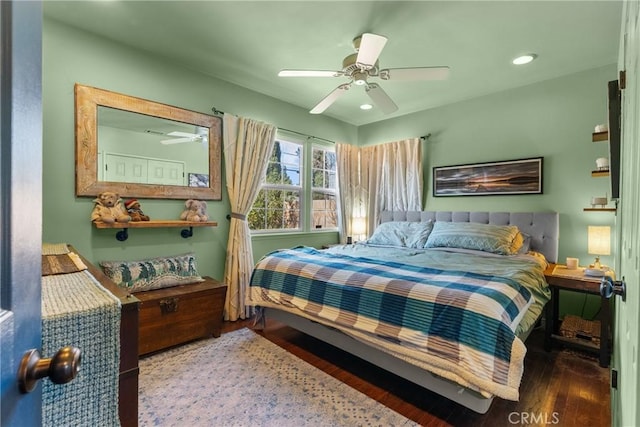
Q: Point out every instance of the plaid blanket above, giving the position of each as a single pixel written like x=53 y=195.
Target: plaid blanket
x=461 y=323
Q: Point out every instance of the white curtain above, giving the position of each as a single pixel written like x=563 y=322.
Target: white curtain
x=247 y=147
x=400 y=180
x=369 y=173
x=350 y=190
x=392 y=177
x=389 y=177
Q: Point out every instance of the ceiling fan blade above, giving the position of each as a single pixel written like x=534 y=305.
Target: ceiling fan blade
x=419 y=73
x=380 y=98
x=310 y=73
x=183 y=134
x=331 y=98
x=178 y=140
x=369 y=50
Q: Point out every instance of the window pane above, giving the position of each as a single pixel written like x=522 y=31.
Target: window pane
x=332 y=183
x=285 y=164
x=330 y=160
x=275 y=209
x=318 y=158
x=274 y=219
x=324 y=212
x=291 y=175
x=318 y=179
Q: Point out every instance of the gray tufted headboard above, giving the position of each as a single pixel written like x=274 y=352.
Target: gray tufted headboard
x=543 y=227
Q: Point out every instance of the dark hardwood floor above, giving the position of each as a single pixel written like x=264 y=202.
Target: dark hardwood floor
x=559 y=388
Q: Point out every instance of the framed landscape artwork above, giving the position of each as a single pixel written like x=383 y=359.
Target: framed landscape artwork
x=198 y=180
x=523 y=176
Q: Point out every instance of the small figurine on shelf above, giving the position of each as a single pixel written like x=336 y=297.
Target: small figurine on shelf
x=108 y=208
x=195 y=210
x=135 y=211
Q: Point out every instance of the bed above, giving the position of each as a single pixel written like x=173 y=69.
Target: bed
x=444 y=299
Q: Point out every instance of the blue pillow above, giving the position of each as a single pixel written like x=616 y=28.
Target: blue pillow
x=405 y=234
x=497 y=239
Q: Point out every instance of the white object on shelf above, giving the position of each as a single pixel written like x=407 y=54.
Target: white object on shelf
x=602 y=201
x=594 y=272
x=602 y=163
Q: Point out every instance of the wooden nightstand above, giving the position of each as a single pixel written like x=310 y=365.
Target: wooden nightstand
x=575 y=281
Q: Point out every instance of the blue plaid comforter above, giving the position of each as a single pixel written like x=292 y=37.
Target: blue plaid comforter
x=460 y=324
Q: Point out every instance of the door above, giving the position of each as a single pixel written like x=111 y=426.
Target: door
x=123 y=168
x=625 y=351
x=20 y=203
x=166 y=172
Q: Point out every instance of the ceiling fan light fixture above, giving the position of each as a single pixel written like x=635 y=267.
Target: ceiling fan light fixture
x=360 y=78
x=524 y=59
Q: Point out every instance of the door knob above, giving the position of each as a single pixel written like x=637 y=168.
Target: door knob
x=610 y=287
x=61 y=368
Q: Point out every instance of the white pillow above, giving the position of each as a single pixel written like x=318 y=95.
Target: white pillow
x=404 y=234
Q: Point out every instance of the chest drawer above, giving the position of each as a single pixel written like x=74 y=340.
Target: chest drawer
x=179 y=314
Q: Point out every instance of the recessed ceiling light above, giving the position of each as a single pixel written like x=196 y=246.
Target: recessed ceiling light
x=366 y=107
x=524 y=59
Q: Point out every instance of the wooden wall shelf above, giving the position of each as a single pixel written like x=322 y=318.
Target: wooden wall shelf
x=123 y=234
x=596 y=174
x=600 y=136
x=599 y=209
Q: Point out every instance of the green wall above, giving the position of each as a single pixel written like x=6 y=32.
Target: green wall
x=71 y=56
x=553 y=119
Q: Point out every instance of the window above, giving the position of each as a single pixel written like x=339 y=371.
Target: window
x=289 y=187
x=324 y=204
x=278 y=203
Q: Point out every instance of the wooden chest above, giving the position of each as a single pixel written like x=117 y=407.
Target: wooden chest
x=175 y=315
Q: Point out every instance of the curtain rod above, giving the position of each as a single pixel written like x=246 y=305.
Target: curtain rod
x=219 y=112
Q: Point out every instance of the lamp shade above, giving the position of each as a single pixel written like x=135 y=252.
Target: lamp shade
x=359 y=226
x=599 y=240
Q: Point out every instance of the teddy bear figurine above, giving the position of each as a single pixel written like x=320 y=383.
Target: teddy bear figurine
x=135 y=211
x=108 y=208
x=195 y=210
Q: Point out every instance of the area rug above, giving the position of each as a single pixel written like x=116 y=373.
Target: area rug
x=243 y=379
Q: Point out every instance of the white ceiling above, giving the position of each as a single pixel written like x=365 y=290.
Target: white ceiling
x=248 y=42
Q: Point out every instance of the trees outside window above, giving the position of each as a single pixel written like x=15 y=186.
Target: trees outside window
x=280 y=205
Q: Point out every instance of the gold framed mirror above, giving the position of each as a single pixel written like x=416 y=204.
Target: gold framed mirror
x=141 y=148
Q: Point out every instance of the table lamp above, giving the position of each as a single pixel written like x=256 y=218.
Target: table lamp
x=599 y=243
x=359 y=227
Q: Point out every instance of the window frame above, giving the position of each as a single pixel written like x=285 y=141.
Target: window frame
x=306 y=187
x=330 y=191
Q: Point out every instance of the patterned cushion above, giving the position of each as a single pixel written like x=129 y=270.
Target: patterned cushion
x=154 y=273
x=402 y=234
x=497 y=239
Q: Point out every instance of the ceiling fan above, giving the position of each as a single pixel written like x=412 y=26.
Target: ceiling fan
x=185 y=137
x=362 y=65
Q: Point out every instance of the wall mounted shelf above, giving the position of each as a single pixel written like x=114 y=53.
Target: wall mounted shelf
x=600 y=136
x=123 y=234
x=596 y=174
x=599 y=209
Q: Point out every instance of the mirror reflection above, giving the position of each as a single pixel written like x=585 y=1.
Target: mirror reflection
x=141 y=148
